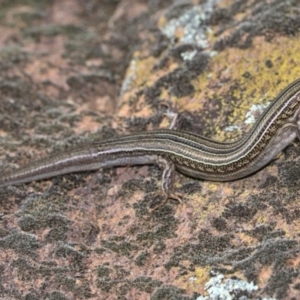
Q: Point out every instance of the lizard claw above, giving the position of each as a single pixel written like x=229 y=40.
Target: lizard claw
x=175 y=196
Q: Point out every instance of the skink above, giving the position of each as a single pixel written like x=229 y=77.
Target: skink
x=190 y=154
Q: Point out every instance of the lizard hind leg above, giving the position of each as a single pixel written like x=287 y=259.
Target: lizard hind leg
x=167 y=182
x=172 y=114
